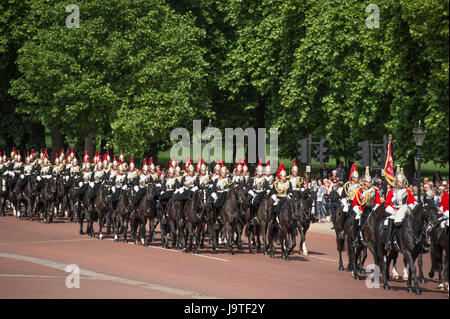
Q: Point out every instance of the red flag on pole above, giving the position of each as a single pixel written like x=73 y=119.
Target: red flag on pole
x=389 y=167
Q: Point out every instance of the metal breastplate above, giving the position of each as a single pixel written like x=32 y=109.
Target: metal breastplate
x=295 y=182
x=86 y=176
x=112 y=174
x=189 y=181
x=258 y=183
x=281 y=188
x=119 y=180
x=399 y=197
x=27 y=169
x=45 y=170
x=75 y=170
x=17 y=166
x=155 y=176
x=98 y=176
x=352 y=190
x=132 y=175
x=170 y=183
x=223 y=183
x=143 y=180
x=237 y=179
x=204 y=179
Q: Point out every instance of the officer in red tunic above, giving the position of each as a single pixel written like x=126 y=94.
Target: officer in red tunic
x=398 y=202
x=443 y=207
x=367 y=195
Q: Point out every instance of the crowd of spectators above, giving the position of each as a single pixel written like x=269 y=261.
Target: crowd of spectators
x=327 y=178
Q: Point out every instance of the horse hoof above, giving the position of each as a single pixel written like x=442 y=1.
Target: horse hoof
x=417 y=291
x=395 y=277
x=386 y=287
x=405 y=278
x=81 y=232
x=423 y=281
x=431 y=274
x=305 y=253
x=362 y=271
x=341 y=268
x=409 y=290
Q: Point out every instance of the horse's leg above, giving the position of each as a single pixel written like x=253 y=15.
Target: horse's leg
x=144 y=231
x=412 y=272
x=405 y=269
x=420 y=264
x=229 y=231
x=340 y=248
x=101 y=222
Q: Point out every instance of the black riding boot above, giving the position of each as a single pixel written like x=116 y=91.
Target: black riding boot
x=389 y=235
x=355 y=232
x=216 y=224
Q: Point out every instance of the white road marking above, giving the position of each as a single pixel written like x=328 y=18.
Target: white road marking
x=45 y=241
x=100 y=276
x=40 y=276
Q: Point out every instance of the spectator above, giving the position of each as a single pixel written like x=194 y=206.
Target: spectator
x=340 y=171
x=437 y=178
x=426 y=180
x=334 y=176
x=321 y=191
x=415 y=192
x=376 y=177
x=323 y=171
x=329 y=171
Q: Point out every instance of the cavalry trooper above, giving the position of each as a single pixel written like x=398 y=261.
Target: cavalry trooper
x=132 y=176
x=443 y=207
x=140 y=188
x=119 y=185
x=169 y=184
x=259 y=188
x=352 y=187
x=398 y=202
x=220 y=189
x=283 y=190
x=245 y=173
x=27 y=171
x=237 y=176
x=189 y=185
x=154 y=177
x=216 y=172
x=86 y=177
x=203 y=177
x=97 y=178
x=268 y=174
x=367 y=195
x=295 y=180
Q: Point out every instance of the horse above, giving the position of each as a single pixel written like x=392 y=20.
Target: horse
x=368 y=228
x=45 y=200
x=4 y=193
x=194 y=213
x=307 y=199
x=146 y=210
x=229 y=215
x=122 y=215
x=338 y=220
x=24 y=194
x=100 y=207
x=286 y=226
x=409 y=241
x=439 y=246
x=175 y=224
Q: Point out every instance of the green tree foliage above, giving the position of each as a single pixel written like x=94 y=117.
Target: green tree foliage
x=136 y=65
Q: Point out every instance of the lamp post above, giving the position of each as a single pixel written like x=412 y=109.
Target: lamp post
x=419 y=135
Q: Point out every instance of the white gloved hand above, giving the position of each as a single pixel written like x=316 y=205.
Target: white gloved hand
x=214 y=196
x=251 y=192
x=390 y=210
x=91 y=184
x=39 y=178
x=136 y=188
x=356 y=210
x=268 y=191
x=124 y=186
x=194 y=189
x=22 y=176
x=80 y=184
x=113 y=189
x=411 y=206
x=158 y=185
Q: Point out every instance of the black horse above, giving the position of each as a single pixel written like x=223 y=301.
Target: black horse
x=4 y=193
x=355 y=264
x=195 y=218
x=439 y=250
x=307 y=200
x=146 y=210
x=286 y=226
x=409 y=241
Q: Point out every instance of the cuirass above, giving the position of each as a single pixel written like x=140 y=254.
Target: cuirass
x=258 y=183
x=189 y=181
x=203 y=179
x=86 y=176
x=170 y=183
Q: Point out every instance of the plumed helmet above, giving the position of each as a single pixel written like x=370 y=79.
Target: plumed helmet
x=217 y=167
x=223 y=168
x=294 y=166
x=171 y=170
x=152 y=166
x=267 y=169
x=367 y=177
x=245 y=167
x=132 y=166
x=259 y=167
x=281 y=171
x=399 y=176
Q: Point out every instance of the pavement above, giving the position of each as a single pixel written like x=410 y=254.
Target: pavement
x=34 y=258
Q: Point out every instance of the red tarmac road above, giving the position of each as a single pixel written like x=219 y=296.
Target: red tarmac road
x=33 y=257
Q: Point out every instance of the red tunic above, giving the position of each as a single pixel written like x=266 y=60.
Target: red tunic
x=444 y=202
x=358 y=198
x=411 y=199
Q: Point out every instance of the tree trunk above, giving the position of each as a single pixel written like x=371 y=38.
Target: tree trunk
x=89 y=145
x=260 y=123
x=57 y=140
x=410 y=168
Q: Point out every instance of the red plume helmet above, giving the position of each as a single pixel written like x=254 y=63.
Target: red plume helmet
x=280 y=169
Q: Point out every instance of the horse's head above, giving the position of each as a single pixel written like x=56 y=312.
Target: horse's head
x=307 y=198
x=52 y=185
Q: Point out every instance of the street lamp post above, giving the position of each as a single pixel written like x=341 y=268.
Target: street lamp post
x=419 y=136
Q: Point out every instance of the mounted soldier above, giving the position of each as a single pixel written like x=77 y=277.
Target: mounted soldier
x=366 y=195
x=154 y=177
x=350 y=188
x=295 y=180
x=203 y=176
x=220 y=189
x=443 y=207
x=188 y=186
x=119 y=185
x=169 y=185
x=237 y=176
x=258 y=189
x=245 y=173
x=268 y=174
x=140 y=188
x=283 y=189
x=399 y=202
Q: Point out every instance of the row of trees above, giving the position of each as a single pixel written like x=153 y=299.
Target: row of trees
x=134 y=70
